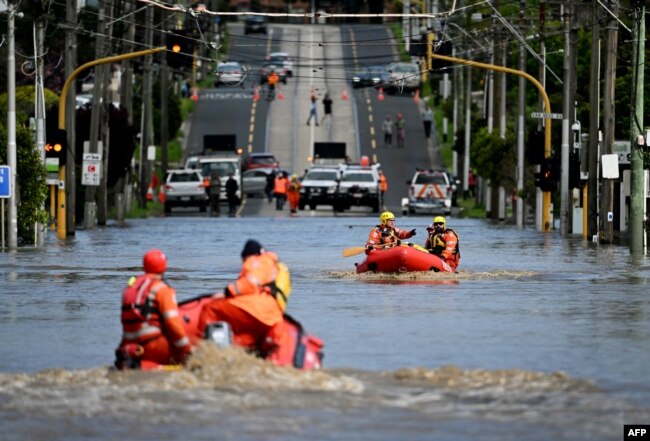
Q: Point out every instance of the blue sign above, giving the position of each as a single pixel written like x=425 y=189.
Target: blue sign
x=5 y=181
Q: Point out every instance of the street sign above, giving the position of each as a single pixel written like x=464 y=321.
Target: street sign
x=546 y=115
x=91 y=169
x=5 y=182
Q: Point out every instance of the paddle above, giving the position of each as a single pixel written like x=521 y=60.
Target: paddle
x=353 y=251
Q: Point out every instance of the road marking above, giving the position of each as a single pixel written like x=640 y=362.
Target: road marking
x=370 y=118
x=226 y=95
x=373 y=143
x=372 y=131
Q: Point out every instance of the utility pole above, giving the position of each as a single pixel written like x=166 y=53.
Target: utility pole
x=70 y=121
x=594 y=124
x=40 y=105
x=90 y=206
x=607 y=209
x=539 y=195
x=637 y=198
x=12 y=233
x=566 y=124
x=521 y=121
x=164 y=76
x=145 y=135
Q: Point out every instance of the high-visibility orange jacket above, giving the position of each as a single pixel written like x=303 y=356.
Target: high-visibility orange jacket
x=249 y=307
x=160 y=333
x=273 y=79
x=383 y=234
x=383 y=183
x=294 y=194
x=445 y=245
x=281 y=185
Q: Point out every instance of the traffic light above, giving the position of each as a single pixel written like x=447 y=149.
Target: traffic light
x=56 y=145
x=180 y=51
x=548 y=175
x=574 y=170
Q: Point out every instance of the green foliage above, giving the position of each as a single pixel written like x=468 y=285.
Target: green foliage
x=25 y=103
x=495 y=158
x=30 y=188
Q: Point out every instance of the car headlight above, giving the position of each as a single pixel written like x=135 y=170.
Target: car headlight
x=303 y=190
x=356 y=79
x=373 y=190
x=331 y=189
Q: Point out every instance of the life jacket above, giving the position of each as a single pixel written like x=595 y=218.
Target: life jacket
x=438 y=245
x=280 y=288
x=140 y=317
x=387 y=235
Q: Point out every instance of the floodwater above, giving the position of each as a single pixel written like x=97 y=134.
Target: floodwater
x=536 y=338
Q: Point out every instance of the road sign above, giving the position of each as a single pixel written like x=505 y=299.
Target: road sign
x=5 y=181
x=546 y=115
x=91 y=168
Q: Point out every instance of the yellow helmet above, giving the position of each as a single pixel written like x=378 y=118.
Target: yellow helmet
x=294 y=177
x=386 y=216
x=439 y=219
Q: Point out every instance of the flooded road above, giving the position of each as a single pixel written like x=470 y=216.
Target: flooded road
x=537 y=338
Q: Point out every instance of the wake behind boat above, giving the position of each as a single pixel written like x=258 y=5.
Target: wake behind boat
x=402 y=258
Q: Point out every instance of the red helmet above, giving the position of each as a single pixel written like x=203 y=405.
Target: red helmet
x=154 y=261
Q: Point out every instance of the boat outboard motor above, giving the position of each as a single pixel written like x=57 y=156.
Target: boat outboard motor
x=219 y=333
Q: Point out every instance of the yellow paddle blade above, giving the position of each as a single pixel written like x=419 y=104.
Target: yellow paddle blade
x=353 y=251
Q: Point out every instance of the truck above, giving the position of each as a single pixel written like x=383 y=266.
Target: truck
x=220 y=158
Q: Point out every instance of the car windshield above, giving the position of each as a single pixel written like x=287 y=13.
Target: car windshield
x=184 y=177
x=228 y=68
x=321 y=175
x=263 y=160
x=425 y=178
x=256 y=19
x=358 y=177
x=220 y=168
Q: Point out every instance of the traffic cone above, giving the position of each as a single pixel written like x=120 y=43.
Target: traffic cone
x=344 y=94
x=380 y=95
x=416 y=97
x=150 y=194
x=256 y=93
x=280 y=94
x=161 y=195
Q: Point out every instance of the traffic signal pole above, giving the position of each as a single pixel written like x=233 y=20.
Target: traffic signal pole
x=546 y=202
x=61 y=212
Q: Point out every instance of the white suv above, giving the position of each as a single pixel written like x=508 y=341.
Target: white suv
x=318 y=186
x=184 y=188
x=359 y=186
x=429 y=192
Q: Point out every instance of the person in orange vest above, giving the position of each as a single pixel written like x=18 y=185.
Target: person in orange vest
x=386 y=234
x=293 y=194
x=248 y=304
x=280 y=190
x=272 y=80
x=383 y=185
x=152 y=330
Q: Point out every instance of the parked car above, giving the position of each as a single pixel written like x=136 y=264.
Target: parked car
x=282 y=58
x=255 y=24
x=370 y=76
x=229 y=73
x=359 y=186
x=255 y=180
x=261 y=160
x=429 y=192
x=319 y=186
x=402 y=77
x=184 y=188
x=266 y=69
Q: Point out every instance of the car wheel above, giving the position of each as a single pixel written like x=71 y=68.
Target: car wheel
x=301 y=205
x=203 y=208
x=312 y=206
x=168 y=208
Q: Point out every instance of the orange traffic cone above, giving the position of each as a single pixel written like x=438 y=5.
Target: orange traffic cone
x=344 y=94
x=380 y=95
x=150 y=194
x=161 y=195
x=280 y=95
x=416 y=97
x=256 y=94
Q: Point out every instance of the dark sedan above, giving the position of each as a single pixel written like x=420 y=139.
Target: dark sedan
x=370 y=76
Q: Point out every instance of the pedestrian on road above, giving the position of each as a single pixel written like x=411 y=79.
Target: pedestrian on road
x=400 y=125
x=280 y=190
x=327 y=108
x=214 y=192
x=387 y=127
x=313 y=111
x=427 y=121
x=293 y=195
x=270 y=183
x=231 y=194
x=383 y=185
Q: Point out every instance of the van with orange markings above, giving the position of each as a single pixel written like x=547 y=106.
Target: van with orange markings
x=429 y=192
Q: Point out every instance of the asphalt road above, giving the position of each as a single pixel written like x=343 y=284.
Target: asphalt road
x=325 y=59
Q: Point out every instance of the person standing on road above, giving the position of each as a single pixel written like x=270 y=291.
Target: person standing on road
x=293 y=194
x=400 y=126
x=231 y=194
x=383 y=185
x=387 y=127
x=280 y=189
x=272 y=81
x=313 y=110
x=386 y=234
x=427 y=121
x=270 y=183
x=327 y=108
x=152 y=329
x=214 y=192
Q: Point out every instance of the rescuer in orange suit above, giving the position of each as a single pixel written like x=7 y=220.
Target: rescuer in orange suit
x=152 y=330
x=386 y=233
x=293 y=195
x=443 y=242
x=248 y=304
x=383 y=185
x=280 y=190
